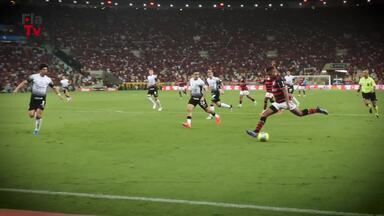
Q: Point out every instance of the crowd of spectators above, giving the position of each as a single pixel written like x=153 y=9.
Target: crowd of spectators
x=233 y=43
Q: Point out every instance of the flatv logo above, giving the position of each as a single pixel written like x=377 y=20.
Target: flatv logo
x=32 y=24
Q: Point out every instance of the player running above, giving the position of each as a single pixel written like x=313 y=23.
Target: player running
x=64 y=86
x=283 y=101
x=268 y=82
x=152 y=90
x=197 y=88
x=40 y=83
x=302 y=85
x=289 y=82
x=214 y=84
x=182 y=87
x=244 y=91
x=367 y=87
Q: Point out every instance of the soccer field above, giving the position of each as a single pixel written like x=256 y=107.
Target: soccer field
x=114 y=143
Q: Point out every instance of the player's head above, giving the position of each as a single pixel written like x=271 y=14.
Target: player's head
x=196 y=75
x=151 y=72
x=43 y=69
x=210 y=73
x=366 y=73
x=271 y=71
x=63 y=77
x=288 y=73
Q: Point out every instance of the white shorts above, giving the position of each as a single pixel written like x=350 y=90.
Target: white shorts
x=283 y=105
x=246 y=92
x=268 y=95
x=181 y=88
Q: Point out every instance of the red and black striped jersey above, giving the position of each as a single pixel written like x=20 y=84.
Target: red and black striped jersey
x=243 y=85
x=268 y=82
x=278 y=87
x=181 y=82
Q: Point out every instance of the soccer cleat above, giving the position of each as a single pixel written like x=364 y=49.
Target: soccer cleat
x=255 y=102
x=209 y=117
x=154 y=106
x=186 y=125
x=160 y=109
x=240 y=105
x=370 y=110
x=322 y=111
x=36 y=132
x=251 y=133
x=231 y=107
x=218 y=120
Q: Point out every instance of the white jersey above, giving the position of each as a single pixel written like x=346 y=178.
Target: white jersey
x=64 y=83
x=40 y=84
x=152 y=79
x=196 y=87
x=288 y=80
x=214 y=83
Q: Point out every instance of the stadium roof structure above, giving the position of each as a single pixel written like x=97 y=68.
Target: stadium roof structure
x=202 y=4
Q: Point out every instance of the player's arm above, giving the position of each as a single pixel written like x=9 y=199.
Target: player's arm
x=56 y=91
x=374 y=85
x=21 y=85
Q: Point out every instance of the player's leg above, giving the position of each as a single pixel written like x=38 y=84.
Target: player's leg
x=263 y=119
x=66 y=94
x=251 y=98
x=241 y=100
x=190 y=108
x=367 y=101
x=180 y=92
x=310 y=111
x=151 y=99
x=265 y=103
x=38 y=121
x=212 y=108
x=204 y=106
x=374 y=104
x=31 y=113
x=157 y=100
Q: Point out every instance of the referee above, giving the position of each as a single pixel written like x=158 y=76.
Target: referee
x=367 y=87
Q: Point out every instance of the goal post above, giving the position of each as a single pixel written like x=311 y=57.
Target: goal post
x=315 y=79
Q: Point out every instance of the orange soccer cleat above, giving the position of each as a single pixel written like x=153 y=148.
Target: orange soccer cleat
x=218 y=120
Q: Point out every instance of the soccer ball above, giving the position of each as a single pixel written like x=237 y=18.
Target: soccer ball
x=263 y=137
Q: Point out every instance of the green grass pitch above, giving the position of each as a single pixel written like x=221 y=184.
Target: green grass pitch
x=114 y=143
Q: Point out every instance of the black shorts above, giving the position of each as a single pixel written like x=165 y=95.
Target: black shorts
x=215 y=96
x=291 y=89
x=37 y=102
x=152 y=90
x=369 y=96
x=196 y=101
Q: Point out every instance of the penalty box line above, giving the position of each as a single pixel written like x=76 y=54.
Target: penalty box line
x=186 y=202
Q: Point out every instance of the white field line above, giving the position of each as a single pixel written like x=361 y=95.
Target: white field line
x=186 y=202
x=172 y=112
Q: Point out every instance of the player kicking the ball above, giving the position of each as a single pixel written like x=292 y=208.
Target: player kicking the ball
x=283 y=101
x=40 y=83
x=214 y=84
x=197 y=88
x=152 y=90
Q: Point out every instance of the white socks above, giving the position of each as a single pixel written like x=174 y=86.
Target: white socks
x=151 y=99
x=38 y=123
x=225 y=105
x=158 y=103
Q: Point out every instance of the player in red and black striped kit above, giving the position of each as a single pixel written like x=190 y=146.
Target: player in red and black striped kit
x=283 y=101
x=182 y=89
x=244 y=91
x=268 y=82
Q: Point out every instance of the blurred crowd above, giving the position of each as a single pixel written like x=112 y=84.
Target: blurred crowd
x=176 y=43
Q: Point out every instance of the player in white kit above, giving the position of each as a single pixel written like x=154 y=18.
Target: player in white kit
x=40 y=83
x=289 y=82
x=197 y=88
x=214 y=84
x=64 y=86
x=152 y=90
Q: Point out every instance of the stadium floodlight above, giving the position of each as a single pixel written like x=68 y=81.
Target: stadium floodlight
x=324 y=3
x=186 y=5
x=300 y=4
x=102 y=3
x=281 y=5
x=270 y=5
x=228 y=5
x=214 y=5
x=47 y=0
x=75 y=2
x=241 y=5
x=130 y=4
x=344 y=2
x=200 y=5
x=116 y=3
x=87 y=2
x=60 y=1
x=171 y=5
x=181 y=9
x=145 y=5
x=369 y=1
x=158 y=5
x=256 y=5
